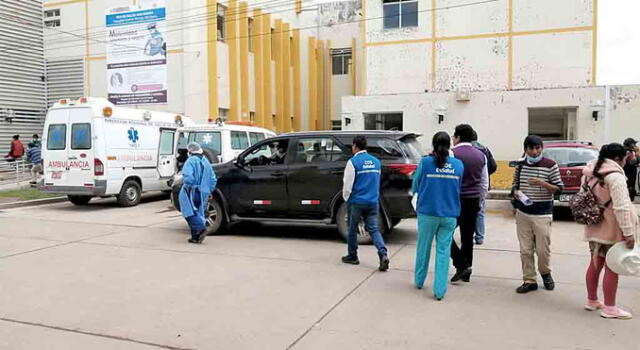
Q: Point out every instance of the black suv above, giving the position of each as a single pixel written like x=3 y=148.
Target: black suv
x=297 y=177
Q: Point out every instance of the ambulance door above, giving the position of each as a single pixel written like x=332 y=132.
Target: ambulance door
x=166 y=153
x=80 y=153
x=55 y=146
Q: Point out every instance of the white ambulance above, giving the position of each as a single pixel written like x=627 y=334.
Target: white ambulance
x=91 y=148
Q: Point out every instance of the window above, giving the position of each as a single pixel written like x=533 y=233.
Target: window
x=319 y=150
x=223 y=113
x=208 y=140
x=384 y=148
x=273 y=43
x=256 y=137
x=570 y=156
x=239 y=140
x=252 y=116
x=336 y=124
x=166 y=142
x=51 y=13
x=270 y=153
x=57 y=137
x=383 y=121
x=340 y=59
x=52 y=24
x=81 y=136
x=400 y=13
x=221 y=32
x=250 y=25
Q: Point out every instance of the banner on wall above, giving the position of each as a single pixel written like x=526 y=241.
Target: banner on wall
x=136 y=55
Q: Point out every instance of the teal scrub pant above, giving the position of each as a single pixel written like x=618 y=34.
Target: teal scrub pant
x=442 y=229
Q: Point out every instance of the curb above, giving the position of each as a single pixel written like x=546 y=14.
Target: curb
x=33 y=203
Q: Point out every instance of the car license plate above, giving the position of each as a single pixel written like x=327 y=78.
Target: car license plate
x=565 y=197
x=56 y=175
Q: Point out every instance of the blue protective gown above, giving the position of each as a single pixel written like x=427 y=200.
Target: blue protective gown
x=199 y=182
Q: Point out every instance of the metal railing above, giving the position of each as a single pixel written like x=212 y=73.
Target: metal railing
x=14 y=171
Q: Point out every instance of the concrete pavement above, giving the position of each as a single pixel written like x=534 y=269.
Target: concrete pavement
x=104 y=277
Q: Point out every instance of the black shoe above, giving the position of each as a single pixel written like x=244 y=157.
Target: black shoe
x=464 y=275
x=202 y=235
x=527 y=287
x=549 y=284
x=384 y=263
x=348 y=259
x=194 y=241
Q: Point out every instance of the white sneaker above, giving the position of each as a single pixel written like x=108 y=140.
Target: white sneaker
x=615 y=312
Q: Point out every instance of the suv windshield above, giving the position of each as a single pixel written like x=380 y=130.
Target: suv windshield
x=570 y=156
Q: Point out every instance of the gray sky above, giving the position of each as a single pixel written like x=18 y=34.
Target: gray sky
x=618 y=42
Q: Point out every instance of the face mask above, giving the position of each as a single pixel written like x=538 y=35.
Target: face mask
x=534 y=160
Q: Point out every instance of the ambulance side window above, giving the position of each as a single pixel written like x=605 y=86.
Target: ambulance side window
x=239 y=140
x=57 y=137
x=81 y=136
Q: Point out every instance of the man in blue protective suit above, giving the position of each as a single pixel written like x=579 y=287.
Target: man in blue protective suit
x=361 y=191
x=199 y=183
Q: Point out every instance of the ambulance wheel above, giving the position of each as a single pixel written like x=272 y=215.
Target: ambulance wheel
x=130 y=194
x=363 y=235
x=79 y=200
x=216 y=222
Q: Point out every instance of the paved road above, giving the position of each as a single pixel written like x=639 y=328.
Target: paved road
x=103 y=277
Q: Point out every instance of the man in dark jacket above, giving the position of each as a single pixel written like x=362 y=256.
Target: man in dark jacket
x=492 y=166
x=631 y=167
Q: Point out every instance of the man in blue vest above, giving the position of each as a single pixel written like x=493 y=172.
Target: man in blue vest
x=361 y=191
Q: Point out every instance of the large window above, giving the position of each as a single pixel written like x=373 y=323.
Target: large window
x=340 y=61
x=221 y=14
x=166 y=142
x=239 y=140
x=57 y=137
x=383 y=121
x=400 y=13
x=208 y=140
x=52 y=24
x=81 y=136
x=256 y=137
x=51 y=13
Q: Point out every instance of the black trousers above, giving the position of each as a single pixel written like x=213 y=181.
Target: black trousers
x=463 y=256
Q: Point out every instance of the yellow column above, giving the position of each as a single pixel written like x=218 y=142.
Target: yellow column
x=231 y=25
x=257 y=66
x=328 y=97
x=363 y=39
x=297 y=102
x=320 y=80
x=313 y=85
x=266 y=71
x=277 y=46
x=352 y=67
x=212 y=60
x=286 y=77
x=298 y=6
x=244 y=61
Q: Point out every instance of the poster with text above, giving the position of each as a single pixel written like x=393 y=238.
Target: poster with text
x=136 y=56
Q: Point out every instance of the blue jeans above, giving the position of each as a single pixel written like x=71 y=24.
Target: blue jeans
x=368 y=212
x=196 y=222
x=480 y=222
x=440 y=228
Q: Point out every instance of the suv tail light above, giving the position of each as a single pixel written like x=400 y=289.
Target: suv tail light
x=406 y=169
x=98 y=167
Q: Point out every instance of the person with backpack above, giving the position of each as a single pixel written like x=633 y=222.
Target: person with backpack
x=492 y=166
x=437 y=182
x=605 y=180
x=535 y=181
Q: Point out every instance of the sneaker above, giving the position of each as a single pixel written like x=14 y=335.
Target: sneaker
x=615 y=312
x=526 y=288
x=202 y=235
x=464 y=275
x=384 y=263
x=593 y=305
x=479 y=241
x=348 y=259
x=549 y=284
x=192 y=240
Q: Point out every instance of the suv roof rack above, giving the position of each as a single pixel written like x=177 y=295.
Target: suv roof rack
x=589 y=143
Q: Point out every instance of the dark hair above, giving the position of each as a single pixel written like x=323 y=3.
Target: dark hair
x=629 y=142
x=360 y=142
x=16 y=137
x=532 y=141
x=35 y=136
x=441 y=143
x=464 y=132
x=610 y=151
x=475 y=136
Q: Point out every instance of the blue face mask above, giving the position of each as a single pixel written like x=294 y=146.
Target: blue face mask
x=534 y=160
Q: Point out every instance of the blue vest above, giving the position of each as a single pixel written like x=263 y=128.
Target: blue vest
x=438 y=189
x=366 y=185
